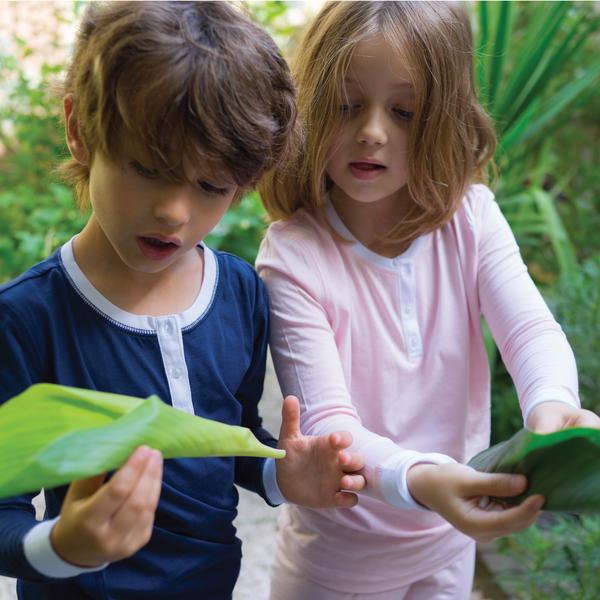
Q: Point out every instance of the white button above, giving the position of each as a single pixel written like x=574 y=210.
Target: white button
x=176 y=372
x=168 y=327
x=407 y=309
x=414 y=341
x=407 y=268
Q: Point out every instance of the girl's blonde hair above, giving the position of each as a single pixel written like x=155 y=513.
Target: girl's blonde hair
x=451 y=137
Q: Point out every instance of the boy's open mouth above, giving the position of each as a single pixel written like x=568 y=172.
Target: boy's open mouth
x=156 y=242
x=155 y=248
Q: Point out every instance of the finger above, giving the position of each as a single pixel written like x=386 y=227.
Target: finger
x=290 y=418
x=510 y=520
x=492 y=484
x=353 y=483
x=141 y=504
x=340 y=440
x=587 y=418
x=351 y=461
x=111 y=496
x=84 y=488
x=345 y=499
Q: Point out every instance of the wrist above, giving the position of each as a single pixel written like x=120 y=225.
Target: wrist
x=420 y=480
x=62 y=550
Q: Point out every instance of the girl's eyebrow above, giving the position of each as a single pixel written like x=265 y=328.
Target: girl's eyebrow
x=403 y=83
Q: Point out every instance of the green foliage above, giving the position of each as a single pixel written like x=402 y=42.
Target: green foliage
x=536 y=67
x=37 y=212
x=531 y=69
x=560 y=561
x=241 y=229
x=576 y=305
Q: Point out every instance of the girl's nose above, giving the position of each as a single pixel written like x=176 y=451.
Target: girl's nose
x=174 y=207
x=372 y=129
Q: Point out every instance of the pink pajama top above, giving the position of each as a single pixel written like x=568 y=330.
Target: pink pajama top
x=391 y=349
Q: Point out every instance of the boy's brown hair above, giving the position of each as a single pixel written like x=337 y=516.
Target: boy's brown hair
x=175 y=83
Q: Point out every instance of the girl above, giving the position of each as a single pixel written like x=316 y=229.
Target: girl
x=387 y=253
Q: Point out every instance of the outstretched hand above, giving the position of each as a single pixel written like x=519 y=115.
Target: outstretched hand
x=318 y=471
x=548 y=417
x=104 y=522
x=462 y=496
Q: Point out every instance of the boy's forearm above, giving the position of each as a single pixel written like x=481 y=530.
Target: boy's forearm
x=16 y=520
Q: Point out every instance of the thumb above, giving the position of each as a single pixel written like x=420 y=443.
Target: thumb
x=79 y=490
x=497 y=485
x=290 y=418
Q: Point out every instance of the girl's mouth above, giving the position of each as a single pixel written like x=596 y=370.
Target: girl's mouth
x=156 y=249
x=366 y=170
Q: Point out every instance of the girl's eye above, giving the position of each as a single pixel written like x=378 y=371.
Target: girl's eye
x=405 y=115
x=143 y=171
x=348 y=109
x=213 y=189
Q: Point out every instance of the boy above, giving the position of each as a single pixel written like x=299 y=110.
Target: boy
x=171 y=111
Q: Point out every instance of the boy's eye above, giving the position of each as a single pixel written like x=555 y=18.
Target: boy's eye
x=405 y=115
x=213 y=189
x=143 y=171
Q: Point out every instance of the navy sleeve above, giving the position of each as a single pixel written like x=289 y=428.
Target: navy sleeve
x=20 y=367
x=248 y=470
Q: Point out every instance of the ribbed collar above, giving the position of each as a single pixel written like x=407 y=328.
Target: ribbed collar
x=142 y=323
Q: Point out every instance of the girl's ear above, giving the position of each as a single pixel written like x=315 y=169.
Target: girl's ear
x=74 y=142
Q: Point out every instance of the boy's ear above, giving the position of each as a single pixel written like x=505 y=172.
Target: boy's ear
x=74 y=142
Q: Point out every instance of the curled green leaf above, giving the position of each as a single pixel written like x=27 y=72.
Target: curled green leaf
x=51 y=435
x=563 y=466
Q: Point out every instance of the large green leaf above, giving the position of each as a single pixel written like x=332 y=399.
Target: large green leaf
x=51 y=435
x=563 y=466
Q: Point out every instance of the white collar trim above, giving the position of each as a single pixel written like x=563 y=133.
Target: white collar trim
x=383 y=261
x=142 y=323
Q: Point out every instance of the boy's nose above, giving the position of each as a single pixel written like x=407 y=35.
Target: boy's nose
x=174 y=208
x=372 y=130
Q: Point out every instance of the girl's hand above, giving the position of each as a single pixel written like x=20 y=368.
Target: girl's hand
x=548 y=417
x=102 y=523
x=316 y=468
x=461 y=495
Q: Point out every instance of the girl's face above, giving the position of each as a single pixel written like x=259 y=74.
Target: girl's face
x=367 y=159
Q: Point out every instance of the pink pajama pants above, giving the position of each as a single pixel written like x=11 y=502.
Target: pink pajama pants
x=452 y=583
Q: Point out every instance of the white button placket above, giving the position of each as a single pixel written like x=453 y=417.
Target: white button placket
x=170 y=341
x=408 y=299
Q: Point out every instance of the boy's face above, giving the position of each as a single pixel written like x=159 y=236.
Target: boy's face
x=150 y=223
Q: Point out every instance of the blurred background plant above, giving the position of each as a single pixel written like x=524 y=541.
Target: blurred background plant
x=557 y=561
x=538 y=66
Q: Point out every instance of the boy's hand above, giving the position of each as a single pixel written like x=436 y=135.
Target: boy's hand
x=104 y=523
x=316 y=468
x=548 y=417
x=461 y=495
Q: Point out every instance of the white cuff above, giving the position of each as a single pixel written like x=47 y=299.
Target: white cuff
x=393 y=481
x=540 y=400
x=272 y=490
x=42 y=557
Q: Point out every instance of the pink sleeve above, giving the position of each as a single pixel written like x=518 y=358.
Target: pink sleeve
x=532 y=344
x=308 y=365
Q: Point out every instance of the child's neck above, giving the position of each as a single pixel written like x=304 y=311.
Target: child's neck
x=170 y=291
x=369 y=222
